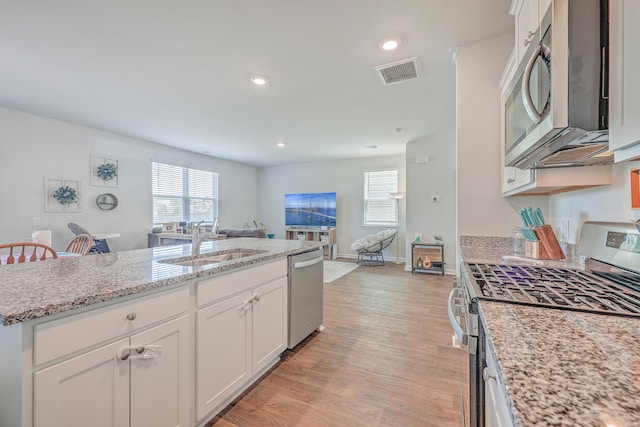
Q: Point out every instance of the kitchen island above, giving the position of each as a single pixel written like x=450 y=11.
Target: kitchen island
x=559 y=367
x=136 y=338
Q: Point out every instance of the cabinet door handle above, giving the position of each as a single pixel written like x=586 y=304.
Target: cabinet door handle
x=604 y=73
x=131 y=316
x=487 y=376
x=248 y=303
x=150 y=351
x=529 y=38
x=511 y=181
x=123 y=353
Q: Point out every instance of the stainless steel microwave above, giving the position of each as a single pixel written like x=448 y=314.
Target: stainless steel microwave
x=556 y=108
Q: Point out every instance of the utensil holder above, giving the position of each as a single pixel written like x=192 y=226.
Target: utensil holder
x=549 y=248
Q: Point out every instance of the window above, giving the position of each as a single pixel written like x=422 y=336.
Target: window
x=379 y=207
x=183 y=194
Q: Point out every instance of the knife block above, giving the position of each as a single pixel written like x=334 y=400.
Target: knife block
x=532 y=249
x=549 y=248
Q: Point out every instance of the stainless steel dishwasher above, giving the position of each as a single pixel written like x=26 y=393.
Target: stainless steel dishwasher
x=305 y=295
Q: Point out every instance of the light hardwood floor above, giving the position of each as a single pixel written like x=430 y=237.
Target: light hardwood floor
x=384 y=359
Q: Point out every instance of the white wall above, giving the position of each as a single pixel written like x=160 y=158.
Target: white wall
x=481 y=208
x=34 y=147
x=345 y=177
x=437 y=177
x=608 y=203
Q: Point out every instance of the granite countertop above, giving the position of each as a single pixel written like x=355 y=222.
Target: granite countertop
x=32 y=290
x=566 y=368
x=560 y=367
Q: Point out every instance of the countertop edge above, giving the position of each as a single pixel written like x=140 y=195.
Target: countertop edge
x=16 y=316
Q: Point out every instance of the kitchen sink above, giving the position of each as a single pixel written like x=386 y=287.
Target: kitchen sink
x=210 y=258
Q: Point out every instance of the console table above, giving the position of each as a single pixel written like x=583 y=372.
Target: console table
x=325 y=235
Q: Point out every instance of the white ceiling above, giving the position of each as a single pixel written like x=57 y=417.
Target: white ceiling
x=178 y=72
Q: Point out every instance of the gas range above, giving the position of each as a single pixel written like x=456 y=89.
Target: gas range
x=609 y=283
x=607 y=292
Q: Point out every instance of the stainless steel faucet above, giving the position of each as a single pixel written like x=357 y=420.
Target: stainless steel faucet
x=197 y=241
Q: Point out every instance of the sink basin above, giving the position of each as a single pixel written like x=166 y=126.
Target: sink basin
x=210 y=258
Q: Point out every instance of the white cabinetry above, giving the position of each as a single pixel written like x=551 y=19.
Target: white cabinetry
x=527 y=23
x=238 y=337
x=528 y=14
x=496 y=410
x=161 y=358
x=143 y=378
x=624 y=103
x=543 y=7
x=93 y=386
x=111 y=365
x=223 y=362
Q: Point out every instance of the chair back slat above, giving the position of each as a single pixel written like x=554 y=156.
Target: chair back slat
x=27 y=251
x=81 y=244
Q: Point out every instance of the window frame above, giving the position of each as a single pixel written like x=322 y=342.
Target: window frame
x=380 y=197
x=185 y=197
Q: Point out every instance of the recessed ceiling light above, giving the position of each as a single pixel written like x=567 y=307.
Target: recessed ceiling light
x=280 y=144
x=390 y=44
x=258 y=80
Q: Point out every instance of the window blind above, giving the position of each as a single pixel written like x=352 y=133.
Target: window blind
x=379 y=207
x=183 y=194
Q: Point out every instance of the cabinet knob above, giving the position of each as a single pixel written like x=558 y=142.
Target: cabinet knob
x=511 y=181
x=131 y=316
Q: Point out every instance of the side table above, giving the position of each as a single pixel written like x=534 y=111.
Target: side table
x=427 y=258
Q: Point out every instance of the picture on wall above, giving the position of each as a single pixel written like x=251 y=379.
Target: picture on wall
x=62 y=195
x=104 y=171
x=310 y=210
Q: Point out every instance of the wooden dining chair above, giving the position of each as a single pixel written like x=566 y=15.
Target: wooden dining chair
x=81 y=244
x=21 y=252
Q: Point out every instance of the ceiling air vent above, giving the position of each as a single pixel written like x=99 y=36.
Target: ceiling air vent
x=399 y=71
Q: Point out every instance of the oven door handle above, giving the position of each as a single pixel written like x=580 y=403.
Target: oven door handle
x=452 y=318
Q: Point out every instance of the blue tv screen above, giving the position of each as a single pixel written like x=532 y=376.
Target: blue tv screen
x=310 y=209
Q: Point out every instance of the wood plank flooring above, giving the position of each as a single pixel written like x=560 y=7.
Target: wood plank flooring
x=384 y=359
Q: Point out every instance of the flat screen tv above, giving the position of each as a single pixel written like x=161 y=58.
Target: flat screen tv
x=310 y=210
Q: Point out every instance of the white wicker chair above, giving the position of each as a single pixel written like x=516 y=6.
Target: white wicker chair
x=370 y=247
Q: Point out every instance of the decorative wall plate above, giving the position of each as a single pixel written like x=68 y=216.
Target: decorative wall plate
x=107 y=201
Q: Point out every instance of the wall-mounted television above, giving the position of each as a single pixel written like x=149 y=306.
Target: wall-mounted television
x=310 y=210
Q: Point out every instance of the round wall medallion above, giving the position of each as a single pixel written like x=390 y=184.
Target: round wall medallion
x=107 y=201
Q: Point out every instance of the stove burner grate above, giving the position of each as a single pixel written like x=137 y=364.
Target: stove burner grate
x=556 y=287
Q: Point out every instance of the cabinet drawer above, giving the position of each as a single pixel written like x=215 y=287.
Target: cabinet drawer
x=73 y=333
x=217 y=288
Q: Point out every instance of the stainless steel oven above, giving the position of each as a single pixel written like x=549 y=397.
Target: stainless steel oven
x=609 y=284
x=468 y=331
